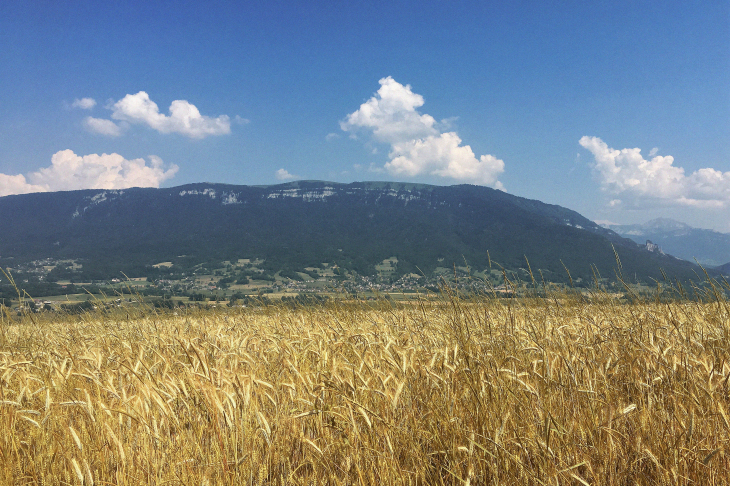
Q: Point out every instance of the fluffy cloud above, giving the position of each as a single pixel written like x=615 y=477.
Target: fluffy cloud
x=69 y=171
x=17 y=184
x=284 y=175
x=444 y=156
x=84 y=103
x=657 y=181
x=184 y=117
x=102 y=126
x=392 y=114
x=417 y=144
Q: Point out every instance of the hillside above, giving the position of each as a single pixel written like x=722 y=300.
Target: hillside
x=306 y=223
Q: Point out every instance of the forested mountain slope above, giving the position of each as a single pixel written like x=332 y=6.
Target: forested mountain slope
x=305 y=223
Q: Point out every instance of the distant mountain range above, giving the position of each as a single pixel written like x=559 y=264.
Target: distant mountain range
x=710 y=248
x=305 y=223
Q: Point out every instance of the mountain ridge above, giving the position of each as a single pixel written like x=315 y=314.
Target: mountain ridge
x=708 y=247
x=305 y=223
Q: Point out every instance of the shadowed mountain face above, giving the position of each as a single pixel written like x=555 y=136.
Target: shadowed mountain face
x=681 y=240
x=307 y=223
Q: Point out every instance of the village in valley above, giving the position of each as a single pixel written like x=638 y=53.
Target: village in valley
x=49 y=285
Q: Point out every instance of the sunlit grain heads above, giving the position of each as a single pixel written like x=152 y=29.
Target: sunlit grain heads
x=557 y=392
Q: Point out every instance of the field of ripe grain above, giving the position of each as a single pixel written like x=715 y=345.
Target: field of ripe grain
x=553 y=392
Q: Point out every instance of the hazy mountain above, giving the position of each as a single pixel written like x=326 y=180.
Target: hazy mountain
x=709 y=247
x=308 y=222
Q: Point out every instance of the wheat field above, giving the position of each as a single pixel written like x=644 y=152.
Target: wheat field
x=556 y=391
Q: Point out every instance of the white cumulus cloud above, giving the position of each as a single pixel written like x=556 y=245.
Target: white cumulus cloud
x=655 y=181
x=69 y=171
x=184 y=118
x=444 y=156
x=418 y=145
x=84 y=103
x=102 y=126
x=391 y=114
x=284 y=175
x=17 y=184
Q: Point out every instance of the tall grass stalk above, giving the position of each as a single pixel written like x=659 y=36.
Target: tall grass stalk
x=547 y=389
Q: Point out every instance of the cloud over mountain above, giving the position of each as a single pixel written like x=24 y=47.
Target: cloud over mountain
x=184 y=118
x=69 y=171
x=17 y=184
x=284 y=175
x=417 y=145
x=656 y=181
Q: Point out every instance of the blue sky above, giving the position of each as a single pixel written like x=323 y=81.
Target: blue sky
x=546 y=100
